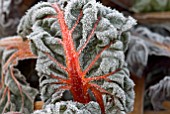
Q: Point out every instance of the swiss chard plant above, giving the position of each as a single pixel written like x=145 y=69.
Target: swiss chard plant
x=79 y=45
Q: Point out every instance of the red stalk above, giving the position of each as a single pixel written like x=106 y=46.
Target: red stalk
x=76 y=82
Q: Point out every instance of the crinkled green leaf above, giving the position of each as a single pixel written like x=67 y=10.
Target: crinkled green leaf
x=45 y=34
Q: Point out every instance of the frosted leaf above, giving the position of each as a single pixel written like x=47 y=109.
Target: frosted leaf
x=159 y=93
x=36 y=36
x=138 y=57
x=24 y=27
x=108 y=31
x=70 y=107
x=29 y=93
x=121 y=88
x=128 y=24
x=144 y=43
x=10 y=15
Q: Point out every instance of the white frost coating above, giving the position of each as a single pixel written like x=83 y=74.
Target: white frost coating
x=46 y=63
x=111 y=28
x=70 y=107
x=129 y=22
x=36 y=37
x=24 y=27
x=88 y=20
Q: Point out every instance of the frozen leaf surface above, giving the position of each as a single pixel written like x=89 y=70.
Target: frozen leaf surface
x=69 y=107
x=80 y=47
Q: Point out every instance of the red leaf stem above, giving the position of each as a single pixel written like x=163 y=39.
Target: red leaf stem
x=101 y=77
x=55 y=61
